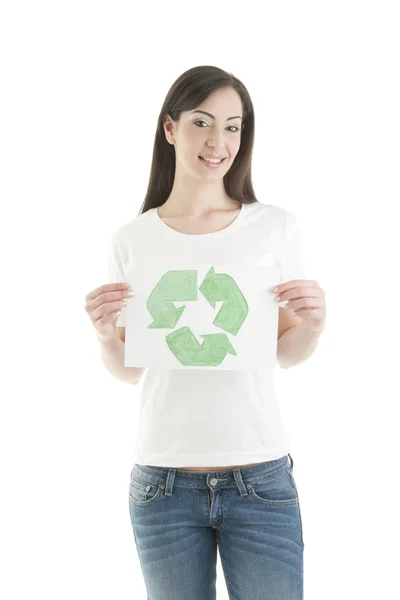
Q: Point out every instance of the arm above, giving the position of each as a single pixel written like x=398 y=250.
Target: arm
x=296 y=344
x=112 y=353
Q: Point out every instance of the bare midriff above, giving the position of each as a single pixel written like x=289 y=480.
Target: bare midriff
x=214 y=469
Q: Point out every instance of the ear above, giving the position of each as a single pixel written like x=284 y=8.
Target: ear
x=169 y=129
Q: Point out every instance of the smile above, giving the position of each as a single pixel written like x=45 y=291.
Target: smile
x=211 y=163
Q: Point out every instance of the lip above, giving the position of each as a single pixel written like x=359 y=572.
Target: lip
x=211 y=156
x=212 y=165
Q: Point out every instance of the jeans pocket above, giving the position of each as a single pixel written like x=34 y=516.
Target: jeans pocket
x=143 y=492
x=293 y=482
x=276 y=490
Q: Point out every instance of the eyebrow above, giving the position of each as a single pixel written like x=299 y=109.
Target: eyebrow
x=212 y=116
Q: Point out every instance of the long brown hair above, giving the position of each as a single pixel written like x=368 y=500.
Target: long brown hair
x=186 y=93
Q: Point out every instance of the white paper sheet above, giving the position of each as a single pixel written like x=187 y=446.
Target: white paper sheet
x=203 y=316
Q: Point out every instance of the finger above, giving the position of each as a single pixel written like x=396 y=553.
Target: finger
x=313 y=313
x=304 y=303
x=295 y=283
x=108 y=317
x=107 y=287
x=117 y=292
x=106 y=303
x=297 y=293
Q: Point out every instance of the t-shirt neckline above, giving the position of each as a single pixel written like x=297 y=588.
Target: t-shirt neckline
x=199 y=235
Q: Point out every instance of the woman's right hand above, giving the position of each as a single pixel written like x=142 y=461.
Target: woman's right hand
x=103 y=306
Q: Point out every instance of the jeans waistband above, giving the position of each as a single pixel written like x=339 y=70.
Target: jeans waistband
x=241 y=477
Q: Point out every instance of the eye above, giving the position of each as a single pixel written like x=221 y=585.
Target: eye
x=232 y=126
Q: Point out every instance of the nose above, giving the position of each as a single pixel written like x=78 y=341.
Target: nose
x=217 y=141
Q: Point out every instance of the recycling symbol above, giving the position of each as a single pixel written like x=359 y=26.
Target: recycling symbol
x=180 y=285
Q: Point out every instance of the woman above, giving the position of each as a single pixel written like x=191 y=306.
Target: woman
x=211 y=456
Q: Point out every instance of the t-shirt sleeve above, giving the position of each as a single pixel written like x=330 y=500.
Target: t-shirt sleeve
x=293 y=264
x=116 y=272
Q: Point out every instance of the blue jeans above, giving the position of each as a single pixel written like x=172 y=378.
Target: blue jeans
x=180 y=518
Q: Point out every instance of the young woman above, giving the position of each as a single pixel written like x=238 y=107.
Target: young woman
x=211 y=456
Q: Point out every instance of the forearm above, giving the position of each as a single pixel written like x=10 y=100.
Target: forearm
x=296 y=345
x=112 y=353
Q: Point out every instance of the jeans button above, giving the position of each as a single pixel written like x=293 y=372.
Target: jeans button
x=213 y=481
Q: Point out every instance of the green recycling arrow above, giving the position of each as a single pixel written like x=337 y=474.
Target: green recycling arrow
x=184 y=345
x=173 y=286
x=234 y=310
x=180 y=285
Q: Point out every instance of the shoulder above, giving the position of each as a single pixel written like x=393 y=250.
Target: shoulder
x=274 y=219
x=271 y=210
x=131 y=230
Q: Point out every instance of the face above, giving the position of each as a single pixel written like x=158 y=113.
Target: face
x=198 y=134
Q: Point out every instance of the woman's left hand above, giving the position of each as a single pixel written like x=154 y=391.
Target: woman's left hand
x=307 y=299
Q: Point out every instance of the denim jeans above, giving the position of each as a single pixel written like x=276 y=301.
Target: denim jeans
x=252 y=514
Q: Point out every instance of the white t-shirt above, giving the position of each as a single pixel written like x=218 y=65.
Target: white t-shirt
x=195 y=418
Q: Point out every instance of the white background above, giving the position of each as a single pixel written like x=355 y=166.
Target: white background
x=82 y=86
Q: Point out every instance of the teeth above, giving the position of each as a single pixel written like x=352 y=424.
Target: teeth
x=213 y=160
